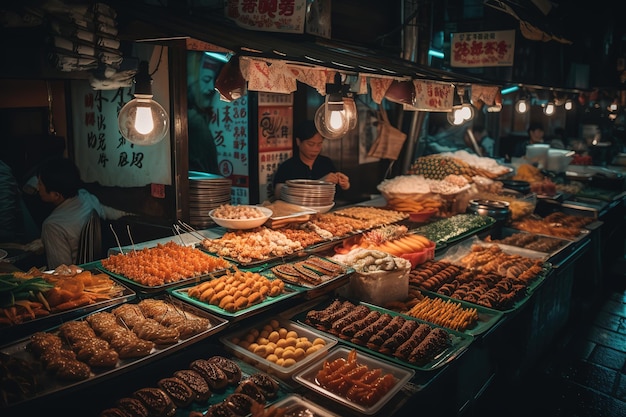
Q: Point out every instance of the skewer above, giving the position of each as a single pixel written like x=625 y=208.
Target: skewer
x=176 y=230
x=191 y=230
x=116 y=238
x=130 y=237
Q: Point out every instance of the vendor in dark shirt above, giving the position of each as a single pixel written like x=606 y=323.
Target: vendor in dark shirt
x=308 y=163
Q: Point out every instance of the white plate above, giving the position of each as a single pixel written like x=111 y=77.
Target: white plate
x=322 y=209
x=241 y=224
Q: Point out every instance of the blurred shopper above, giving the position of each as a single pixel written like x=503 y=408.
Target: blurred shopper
x=535 y=135
x=16 y=223
x=477 y=141
x=60 y=185
x=200 y=92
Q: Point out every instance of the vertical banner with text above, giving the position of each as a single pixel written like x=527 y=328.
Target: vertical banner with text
x=102 y=153
x=229 y=127
x=275 y=127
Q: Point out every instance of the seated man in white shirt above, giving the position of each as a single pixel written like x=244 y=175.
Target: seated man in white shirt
x=60 y=185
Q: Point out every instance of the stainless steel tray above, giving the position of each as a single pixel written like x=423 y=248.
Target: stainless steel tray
x=18 y=331
x=48 y=384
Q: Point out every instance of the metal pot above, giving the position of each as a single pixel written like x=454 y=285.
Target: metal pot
x=498 y=210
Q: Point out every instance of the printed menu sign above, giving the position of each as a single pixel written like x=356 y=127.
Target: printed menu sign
x=482 y=49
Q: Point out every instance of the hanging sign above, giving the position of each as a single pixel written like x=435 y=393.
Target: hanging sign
x=269 y=16
x=102 y=153
x=275 y=127
x=433 y=96
x=261 y=76
x=482 y=49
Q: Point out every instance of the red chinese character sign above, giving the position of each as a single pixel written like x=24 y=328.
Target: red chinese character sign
x=482 y=49
x=271 y=16
x=275 y=137
x=103 y=155
x=433 y=96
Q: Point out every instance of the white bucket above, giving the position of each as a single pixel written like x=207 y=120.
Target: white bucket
x=537 y=154
x=559 y=159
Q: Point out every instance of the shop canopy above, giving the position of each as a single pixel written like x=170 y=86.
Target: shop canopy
x=152 y=23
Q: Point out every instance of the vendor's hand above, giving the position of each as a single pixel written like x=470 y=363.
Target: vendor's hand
x=36 y=246
x=343 y=180
x=331 y=177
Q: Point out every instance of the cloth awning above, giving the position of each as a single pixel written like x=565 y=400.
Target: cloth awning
x=301 y=49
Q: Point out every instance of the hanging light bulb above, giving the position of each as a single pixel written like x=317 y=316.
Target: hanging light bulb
x=569 y=105
x=462 y=112
x=143 y=121
x=337 y=115
x=549 y=109
x=522 y=106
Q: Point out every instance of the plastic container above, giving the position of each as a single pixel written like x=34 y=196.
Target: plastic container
x=260 y=362
x=537 y=154
x=379 y=286
x=402 y=375
x=295 y=405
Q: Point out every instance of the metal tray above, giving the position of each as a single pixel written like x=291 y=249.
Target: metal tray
x=487 y=317
x=147 y=289
x=18 y=331
x=325 y=286
x=451 y=230
x=181 y=294
x=402 y=375
x=460 y=341
x=557 y=256
x=459 y=251
x=48 y=384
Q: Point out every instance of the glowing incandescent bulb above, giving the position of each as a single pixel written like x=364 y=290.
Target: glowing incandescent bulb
x=143 y=121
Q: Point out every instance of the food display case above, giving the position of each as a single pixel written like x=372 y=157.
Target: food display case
x=417 y=381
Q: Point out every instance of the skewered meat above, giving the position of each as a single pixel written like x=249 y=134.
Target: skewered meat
x=351 y=329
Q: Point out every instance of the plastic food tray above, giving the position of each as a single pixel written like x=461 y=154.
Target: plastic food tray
x=296 y=406
x=402 y=375
x=48 y=384
x=459 y=341
x=270 y=367
x=181 y=293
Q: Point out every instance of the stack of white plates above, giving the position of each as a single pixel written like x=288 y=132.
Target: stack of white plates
x=314 y=194
x=206 y=192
